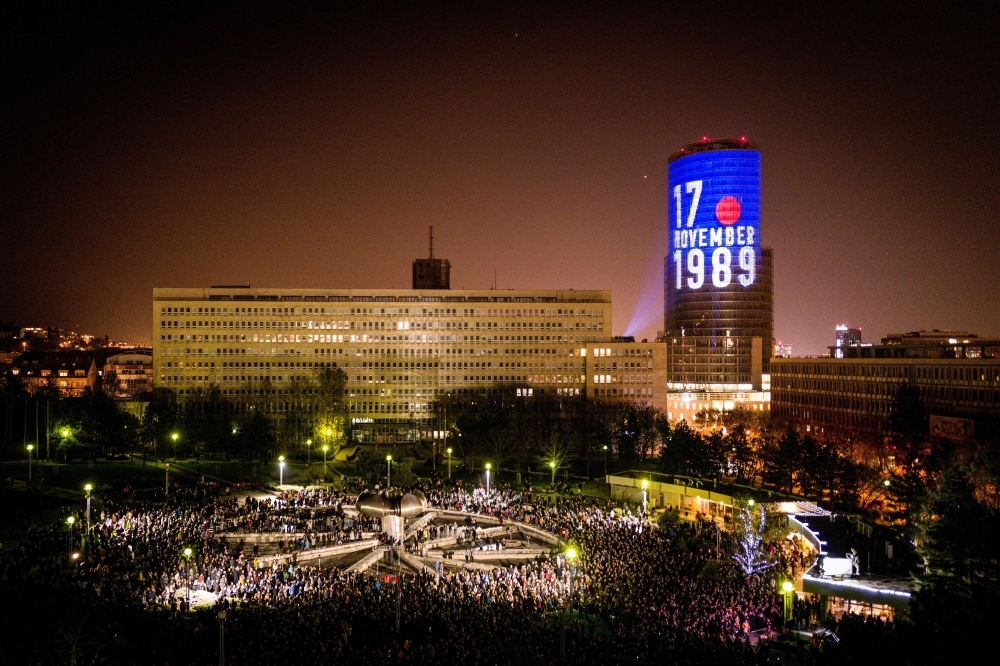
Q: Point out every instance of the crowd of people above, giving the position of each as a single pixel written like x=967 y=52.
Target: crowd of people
x=633 y=592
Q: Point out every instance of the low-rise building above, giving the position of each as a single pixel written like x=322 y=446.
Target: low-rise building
x=133 y=370
x=957 y=378
x=70 y=374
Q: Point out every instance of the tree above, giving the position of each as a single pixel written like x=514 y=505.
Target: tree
x=368 y=464
x=111 y=385
x=959 y=541
x=402 y=474
x=158 y=422
x=750 y=532
x=783 y=461
x=907 y=421
x=255 y=436
x=330 y=424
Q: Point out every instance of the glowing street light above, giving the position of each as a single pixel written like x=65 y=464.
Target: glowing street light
x=449 y=462
x=750 y=502
x=388 y=472
x=787 y=592
x=326 y=447
x=605 y=448
x=69 y=545
x=645 y=487
x=30 y=447
x=88 y=488
x=570 y=555
x=488 y=466
x=309 y=444
x=281 y=470
x=187 y=555
x=174 y=437
x=552 y=464
x=166 y=479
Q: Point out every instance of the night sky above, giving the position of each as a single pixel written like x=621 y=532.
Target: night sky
x=158 y=147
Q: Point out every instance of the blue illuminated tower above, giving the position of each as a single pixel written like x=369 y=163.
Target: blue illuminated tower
x=718 y=291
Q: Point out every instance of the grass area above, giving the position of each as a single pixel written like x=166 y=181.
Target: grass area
x=74 y=476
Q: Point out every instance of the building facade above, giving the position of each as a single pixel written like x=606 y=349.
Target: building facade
x=852 y=396
x=623 y=369
x=133 y=371
x=718 y=281
x=400 y=349
x=71 y=374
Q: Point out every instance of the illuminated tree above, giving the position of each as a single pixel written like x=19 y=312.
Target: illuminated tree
x=751 y=523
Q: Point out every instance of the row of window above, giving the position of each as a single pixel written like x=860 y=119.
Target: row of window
x=400 y=325
x=384 y=312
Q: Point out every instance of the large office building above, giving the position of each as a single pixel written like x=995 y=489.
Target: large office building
x=401 y=348
x=718 y=291
x=956 y=374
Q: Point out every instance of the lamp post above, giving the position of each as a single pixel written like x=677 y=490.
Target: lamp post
x=69 y=541
x=166 y=479
x=488 y=466
x=787 y=590
x=88 y=488
x=570 y=555
x=605 y=447
x=222 y=637
x=174 y=437
x=645 y=486
x=309 y=444
x=388 y=472
x=281 y=470
x=30 y=447
x=449 y=462
x=187 y=556
x=552 y=465
x=326 y=447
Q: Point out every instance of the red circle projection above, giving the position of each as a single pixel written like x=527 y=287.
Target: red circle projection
x=728 y=210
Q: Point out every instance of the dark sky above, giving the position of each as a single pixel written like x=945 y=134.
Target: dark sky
x=148 y=147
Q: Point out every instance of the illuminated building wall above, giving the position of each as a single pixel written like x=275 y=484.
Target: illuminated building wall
x=718 y=292
x=400 y=348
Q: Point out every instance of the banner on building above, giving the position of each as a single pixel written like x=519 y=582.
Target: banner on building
x=952 y=428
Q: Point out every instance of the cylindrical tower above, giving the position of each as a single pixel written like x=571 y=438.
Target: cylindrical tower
x=718 y=293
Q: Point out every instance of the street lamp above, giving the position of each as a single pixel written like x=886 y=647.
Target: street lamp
x=488 y=466
x=187 y=555
x=166 y=481
x=222 y=637
x=309 y=444
x=570 y=555
x=645 y=486
x=326 y=448
x=88 y=488
x=449 y=462
x=69 y=542
x=388 y=472
x=787 y=590
x=281 y=470
x=605 y=447
x=30 y=447
x=174 y=437
x=552 y=464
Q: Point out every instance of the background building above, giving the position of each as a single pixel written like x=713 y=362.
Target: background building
x=401 y=349
x=132 y=370
x=624 y=369
x=957 y=380
x=845 y=337
x=718 y=291
x=431 y=273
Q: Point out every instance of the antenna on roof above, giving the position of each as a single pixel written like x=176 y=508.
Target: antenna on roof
x=431 y=255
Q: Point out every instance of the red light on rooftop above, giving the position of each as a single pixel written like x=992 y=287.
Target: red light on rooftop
x=704 y=138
